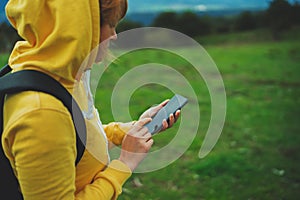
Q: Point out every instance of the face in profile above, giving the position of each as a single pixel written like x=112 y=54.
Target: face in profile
x=112 y=11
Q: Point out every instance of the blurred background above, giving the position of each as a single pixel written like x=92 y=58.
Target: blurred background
x=256 y=46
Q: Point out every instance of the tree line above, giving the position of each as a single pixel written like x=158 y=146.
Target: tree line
x=279 y=16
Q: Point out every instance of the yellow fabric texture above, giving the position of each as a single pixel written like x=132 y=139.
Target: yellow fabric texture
x=39 y=137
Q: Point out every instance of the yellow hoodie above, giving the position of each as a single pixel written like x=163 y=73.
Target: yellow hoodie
x=39 y=137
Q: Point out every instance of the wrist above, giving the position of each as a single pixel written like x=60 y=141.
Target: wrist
x=130 y=165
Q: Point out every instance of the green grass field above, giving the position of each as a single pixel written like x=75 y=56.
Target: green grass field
x=257 y=155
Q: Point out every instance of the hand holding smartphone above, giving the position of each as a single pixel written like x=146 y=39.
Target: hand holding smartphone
x=176 y=103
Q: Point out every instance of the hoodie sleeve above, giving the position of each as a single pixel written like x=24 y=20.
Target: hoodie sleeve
x=106 y=184
x=115 y=131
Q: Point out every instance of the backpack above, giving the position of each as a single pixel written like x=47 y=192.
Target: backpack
x=31 y=80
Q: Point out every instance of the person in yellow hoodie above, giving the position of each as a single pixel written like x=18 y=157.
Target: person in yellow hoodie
x=39 y=137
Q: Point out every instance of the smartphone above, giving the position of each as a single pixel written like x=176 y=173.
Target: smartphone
x=175 y=103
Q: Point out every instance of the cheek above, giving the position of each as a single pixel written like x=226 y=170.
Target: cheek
x=102 y=36
x=107 y=32
x=103 y=33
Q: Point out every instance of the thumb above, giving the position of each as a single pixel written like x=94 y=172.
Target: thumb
x=155 y=109
x=164 y=102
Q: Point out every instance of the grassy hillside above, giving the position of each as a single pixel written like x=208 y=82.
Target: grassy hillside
x=257 y=155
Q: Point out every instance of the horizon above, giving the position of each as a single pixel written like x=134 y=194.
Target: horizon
x=158 y=6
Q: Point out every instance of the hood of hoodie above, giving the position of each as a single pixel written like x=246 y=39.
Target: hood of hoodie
x=58 y=35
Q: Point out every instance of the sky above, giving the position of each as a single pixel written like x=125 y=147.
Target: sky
x=178 y=5
x=197 y=5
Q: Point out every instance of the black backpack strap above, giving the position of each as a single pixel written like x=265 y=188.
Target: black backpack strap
x=5 y=70
x=31 y=80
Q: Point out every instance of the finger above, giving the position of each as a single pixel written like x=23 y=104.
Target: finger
x=138 y=126
x=144 y=132
x=165 y=125
x=144 y=136
x=171 y=120
x=177 y=115
x=142 y=122
x=164 y=102
x=155 y=109
x=150 y=142
x=147 y=136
